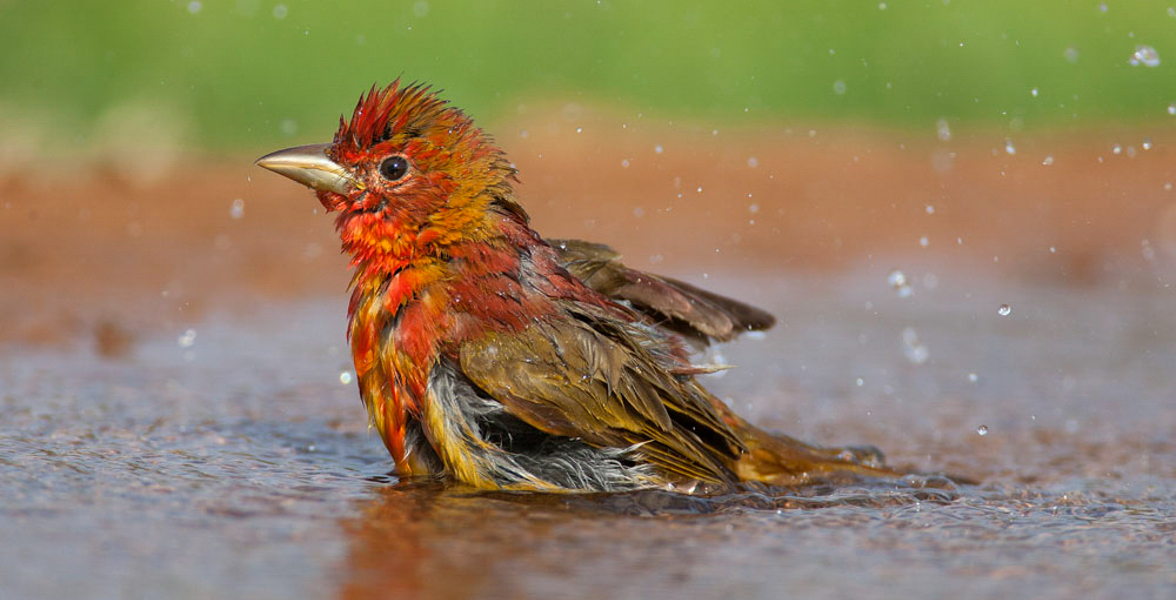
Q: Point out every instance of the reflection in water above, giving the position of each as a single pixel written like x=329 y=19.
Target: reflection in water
x=429 y=542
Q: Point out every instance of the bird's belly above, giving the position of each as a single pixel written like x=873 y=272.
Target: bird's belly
x=480 y=444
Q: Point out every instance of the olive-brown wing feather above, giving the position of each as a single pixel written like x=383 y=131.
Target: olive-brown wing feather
x=687 y=309
x=566 y=378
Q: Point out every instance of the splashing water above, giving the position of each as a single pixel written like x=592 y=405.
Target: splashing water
x=898 y=281
x=943 y=130
x=912 y=348
x=1144 y=55
x=187 y=339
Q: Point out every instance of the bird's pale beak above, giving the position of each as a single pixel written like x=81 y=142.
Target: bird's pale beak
x=310 y=166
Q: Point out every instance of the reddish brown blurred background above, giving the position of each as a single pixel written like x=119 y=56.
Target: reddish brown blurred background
x=105 y=256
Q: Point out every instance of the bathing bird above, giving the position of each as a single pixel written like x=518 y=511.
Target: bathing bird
x=492 y=357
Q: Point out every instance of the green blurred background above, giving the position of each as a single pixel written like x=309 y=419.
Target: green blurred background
x=254 y=73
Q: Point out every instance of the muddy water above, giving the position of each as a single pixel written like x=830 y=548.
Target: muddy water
x=234 y=463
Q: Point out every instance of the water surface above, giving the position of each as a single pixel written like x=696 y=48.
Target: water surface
x=234 y=463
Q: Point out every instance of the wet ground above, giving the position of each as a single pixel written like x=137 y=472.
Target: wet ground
x=175 y=416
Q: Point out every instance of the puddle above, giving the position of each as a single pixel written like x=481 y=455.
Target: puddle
x=239 y=464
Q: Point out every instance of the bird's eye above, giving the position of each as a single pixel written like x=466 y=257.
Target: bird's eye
x=394 y=168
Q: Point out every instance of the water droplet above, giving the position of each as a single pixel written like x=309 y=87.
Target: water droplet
x=1144 y=55
x=752 y=162
x=579 y=130
x=699 y=190
x=345 y=377
x=930 y=209
x=280 y=11
x=923 y=241
x=1149 y=253
x=194 y=6
x=839 y=87
x=1071 y=54
x=638 y=212
x=1053 y=250
x=982 y=430
x=188 y=339
x=657 y=149
x=625 y=163
x=914 y=350
x=1048 y=160
x=1116 y=149
x=288 y=127
x=1102 y=7
x=237 y=210
x=1146 y=145
x=1172 y=108
x=523 y=134
x=899 y=283
x=972 y=377
x=1004 y=310
x=860 y=382
x=1033 y=92
x=753 y=208
x=1009 y=148
x=881 y=6
x=943 y=130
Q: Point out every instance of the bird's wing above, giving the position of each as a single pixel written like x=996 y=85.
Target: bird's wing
x=683 y=308
x=588 y=376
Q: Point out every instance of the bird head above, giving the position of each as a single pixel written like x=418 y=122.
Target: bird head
x=408 y=176
x=405 y=171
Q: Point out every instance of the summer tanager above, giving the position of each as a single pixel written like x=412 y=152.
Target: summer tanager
x=488 y=355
